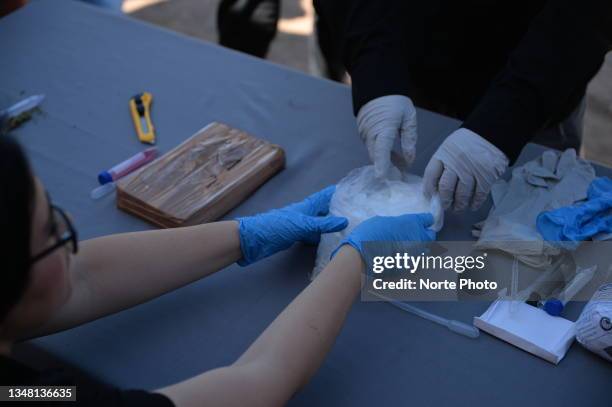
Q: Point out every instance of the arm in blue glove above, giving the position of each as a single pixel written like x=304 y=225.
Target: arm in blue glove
x=268 y=233
x=404 y=228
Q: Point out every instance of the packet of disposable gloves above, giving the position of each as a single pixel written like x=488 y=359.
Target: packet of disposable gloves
x=360 y=196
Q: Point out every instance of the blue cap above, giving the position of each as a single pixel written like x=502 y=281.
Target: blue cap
x=553 y=307
x=105 y=177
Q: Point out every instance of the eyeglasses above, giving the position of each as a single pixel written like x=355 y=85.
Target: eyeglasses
x=64 y=232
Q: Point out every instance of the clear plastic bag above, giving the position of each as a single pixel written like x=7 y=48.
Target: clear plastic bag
x=360 y=196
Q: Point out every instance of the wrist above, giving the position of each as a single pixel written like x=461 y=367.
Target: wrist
x=347 y=242
x=350 y=257
x=369 y=113
x=245 y=255
x=369 y=82
x=464 y=131
x=235 y=241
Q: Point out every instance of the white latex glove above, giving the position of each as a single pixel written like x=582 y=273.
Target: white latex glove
x=463 y=169
x=380 y=122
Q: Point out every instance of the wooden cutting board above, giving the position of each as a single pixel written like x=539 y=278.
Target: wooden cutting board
x=201 y=179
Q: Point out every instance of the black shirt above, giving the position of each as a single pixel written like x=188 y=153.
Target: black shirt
x=88 y=392
x=508 y=68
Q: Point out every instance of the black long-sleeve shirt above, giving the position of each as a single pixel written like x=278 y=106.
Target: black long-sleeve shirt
x=507 y=68
x=89 y=393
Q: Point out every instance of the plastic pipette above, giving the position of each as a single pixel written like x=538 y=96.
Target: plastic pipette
x=103 y=190
x=456 y=326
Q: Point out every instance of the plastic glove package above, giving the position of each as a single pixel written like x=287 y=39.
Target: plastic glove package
x=551 y=181
x=360 y=196
x=594 y=326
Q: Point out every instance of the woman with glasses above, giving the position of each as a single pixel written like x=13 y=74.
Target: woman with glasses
x=50 y=282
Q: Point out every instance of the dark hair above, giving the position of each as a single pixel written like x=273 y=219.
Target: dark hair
x=16 y=210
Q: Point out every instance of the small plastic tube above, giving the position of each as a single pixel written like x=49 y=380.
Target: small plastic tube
x=543 y=279
x=124 y=168
x=554 y=306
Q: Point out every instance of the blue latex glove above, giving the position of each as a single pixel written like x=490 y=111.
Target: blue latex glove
x=404 y=228
x=267 y=233
x=567 y=226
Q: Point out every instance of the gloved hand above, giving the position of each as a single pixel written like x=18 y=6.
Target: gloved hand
x=380 y=122
x=463 y=169
x=267 y=233
x=403 y=228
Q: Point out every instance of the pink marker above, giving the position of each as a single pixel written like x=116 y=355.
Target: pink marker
x=122 y=169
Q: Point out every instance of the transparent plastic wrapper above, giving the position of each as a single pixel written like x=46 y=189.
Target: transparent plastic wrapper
x=201 y=179
x=360 y=196
x=594 y=326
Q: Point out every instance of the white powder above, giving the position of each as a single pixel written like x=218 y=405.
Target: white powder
x=360 y=196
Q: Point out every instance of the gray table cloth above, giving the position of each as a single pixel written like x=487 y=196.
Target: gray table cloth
x=89 y=63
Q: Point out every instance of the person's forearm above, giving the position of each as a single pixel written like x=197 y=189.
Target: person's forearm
x=289 y=351
x=116 y=272
x=303 y=333
x=372 y=38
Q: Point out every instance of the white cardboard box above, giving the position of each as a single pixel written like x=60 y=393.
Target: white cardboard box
x=528 y=328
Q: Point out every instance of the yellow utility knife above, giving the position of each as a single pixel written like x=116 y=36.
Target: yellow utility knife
x=140 y=108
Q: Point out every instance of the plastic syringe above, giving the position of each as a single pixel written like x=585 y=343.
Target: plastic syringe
x=456 y=326
x=554 y=306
